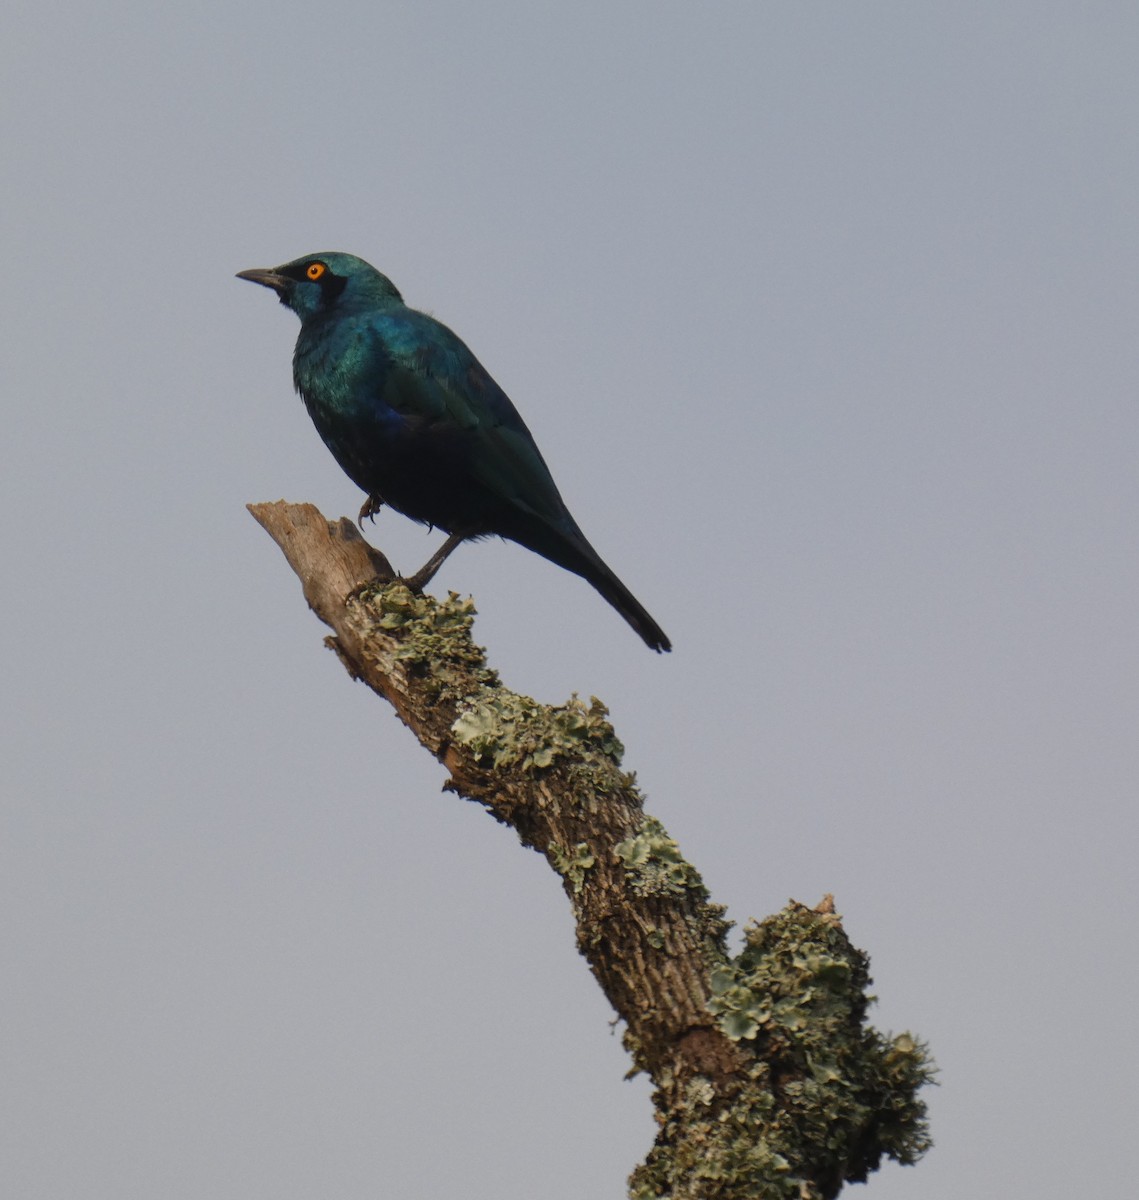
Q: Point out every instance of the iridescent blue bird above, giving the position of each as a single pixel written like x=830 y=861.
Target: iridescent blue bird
x=416 y=421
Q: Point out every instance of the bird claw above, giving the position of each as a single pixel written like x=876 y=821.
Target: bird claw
x=417 y=582
x=369 y=508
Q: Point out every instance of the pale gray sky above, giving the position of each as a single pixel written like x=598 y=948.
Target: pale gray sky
x=824 y=317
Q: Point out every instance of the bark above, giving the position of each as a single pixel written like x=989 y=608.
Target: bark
x=768 y=1081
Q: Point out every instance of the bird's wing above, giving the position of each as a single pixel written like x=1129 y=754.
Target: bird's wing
x=435 y=380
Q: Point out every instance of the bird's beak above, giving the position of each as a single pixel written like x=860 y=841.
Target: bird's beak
x=266 y=278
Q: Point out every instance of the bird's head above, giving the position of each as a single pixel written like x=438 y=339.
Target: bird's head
x=320 y=283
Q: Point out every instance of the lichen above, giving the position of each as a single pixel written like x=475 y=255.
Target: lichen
x=504 y=729
x=431 y=631
x=573 y=863
x=827 y=1098
x=654 y=865
x=715 y=1149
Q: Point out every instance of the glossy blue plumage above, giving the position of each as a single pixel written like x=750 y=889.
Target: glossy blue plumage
x=416 y=421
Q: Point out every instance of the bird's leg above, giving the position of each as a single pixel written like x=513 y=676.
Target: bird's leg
x=369 y=508
x=426 y=573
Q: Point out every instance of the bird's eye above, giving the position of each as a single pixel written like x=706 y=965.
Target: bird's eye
x=315 y=270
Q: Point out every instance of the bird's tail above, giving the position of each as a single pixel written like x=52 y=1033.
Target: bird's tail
x=573 y=551
x=627 y=605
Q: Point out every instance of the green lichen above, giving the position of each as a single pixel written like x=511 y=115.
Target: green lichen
x=712 y=1148
x=573 y=863
x=654 y=865
x=827 y=1098
x=430 y=631
x=503 y=729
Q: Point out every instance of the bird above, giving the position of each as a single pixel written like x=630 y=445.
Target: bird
x=416 y=421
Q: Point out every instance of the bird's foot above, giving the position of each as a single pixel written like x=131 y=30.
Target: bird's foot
x=369 y=508
x=426 y=573
x=417 y=582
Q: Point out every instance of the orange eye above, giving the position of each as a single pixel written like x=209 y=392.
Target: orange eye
x=315 y=270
